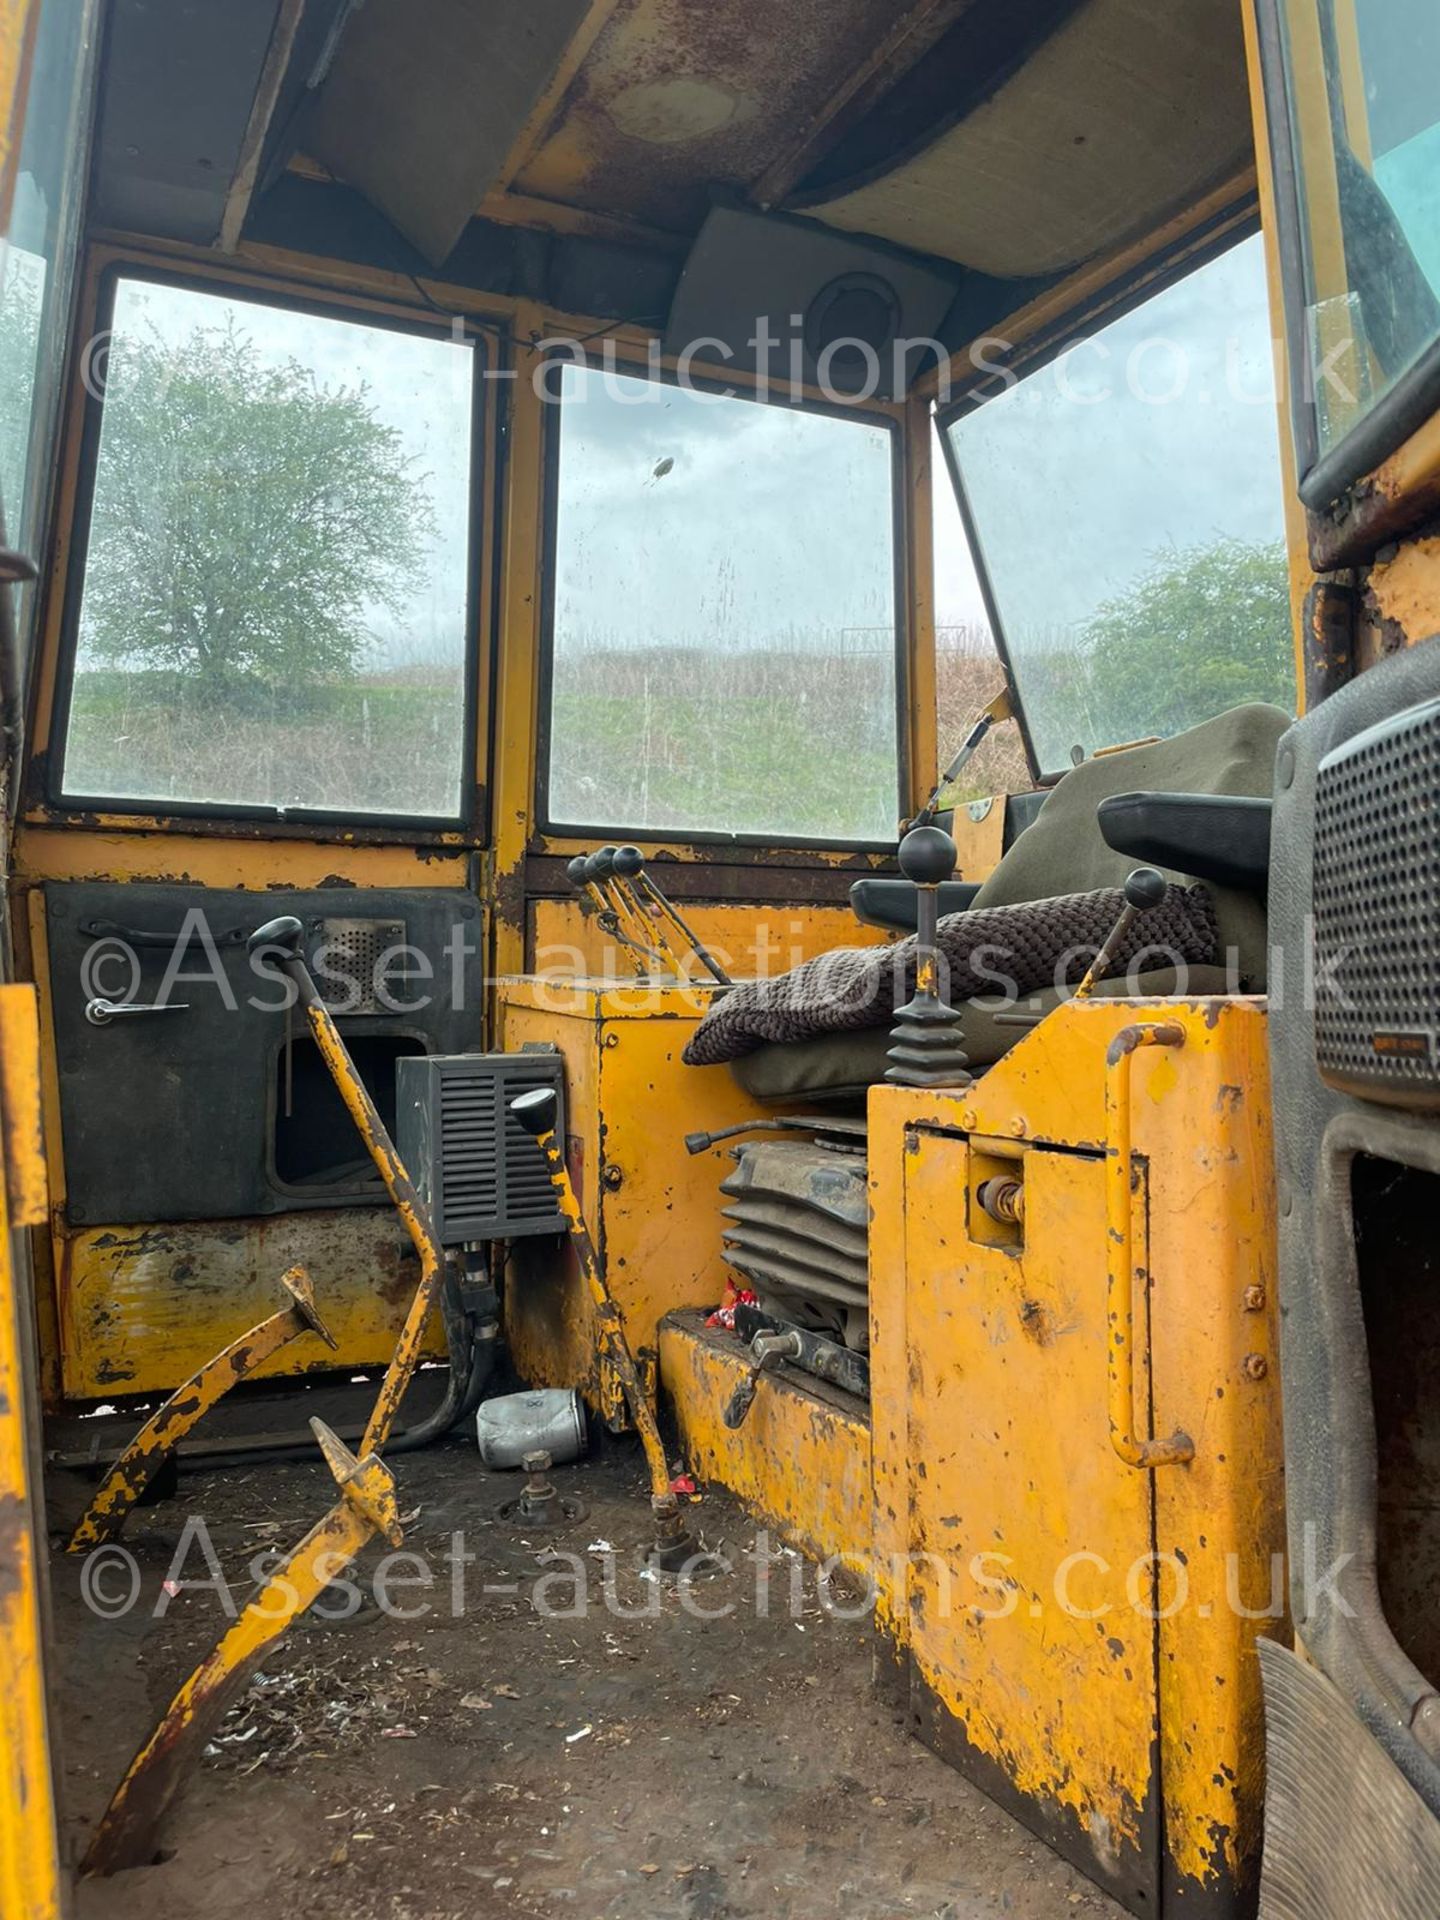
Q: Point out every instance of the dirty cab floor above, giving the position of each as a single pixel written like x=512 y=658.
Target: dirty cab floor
x=518 y=1751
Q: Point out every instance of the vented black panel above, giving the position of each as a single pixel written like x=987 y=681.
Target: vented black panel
x=476 y=1168
x=1377 y=911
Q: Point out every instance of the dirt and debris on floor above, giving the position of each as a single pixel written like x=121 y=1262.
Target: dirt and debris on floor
x=528 y=1725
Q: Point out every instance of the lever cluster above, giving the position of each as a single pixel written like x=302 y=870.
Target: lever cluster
x=614 y=884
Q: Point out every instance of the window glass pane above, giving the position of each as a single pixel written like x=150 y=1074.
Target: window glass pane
x=724 y=616
x=1369 y=158
x=968 y=673
x=1128 y=504
x=276 y=587
x=40 y=258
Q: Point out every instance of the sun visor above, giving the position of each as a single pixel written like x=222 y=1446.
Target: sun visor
x=426 y=99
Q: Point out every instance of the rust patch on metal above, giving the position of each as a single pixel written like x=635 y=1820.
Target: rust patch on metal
x=677 y=98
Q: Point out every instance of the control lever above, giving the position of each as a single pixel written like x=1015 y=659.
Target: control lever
x=628 y=866
x=638 y=934
x=674 y=1548
x=925 y=1042
x=594 y=900
x=1144 y=891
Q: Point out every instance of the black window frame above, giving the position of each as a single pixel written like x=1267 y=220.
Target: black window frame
x=1414 y=398
x=1212 y=245
x=469 y=819
x=550 y=829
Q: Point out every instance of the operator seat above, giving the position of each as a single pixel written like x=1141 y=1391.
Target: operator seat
x=1066 y=851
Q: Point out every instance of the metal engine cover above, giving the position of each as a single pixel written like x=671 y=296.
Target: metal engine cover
x=797 y=1229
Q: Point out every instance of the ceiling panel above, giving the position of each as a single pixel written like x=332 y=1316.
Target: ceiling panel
x=680 y=95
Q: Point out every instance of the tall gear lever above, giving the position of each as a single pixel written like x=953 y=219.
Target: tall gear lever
x=674 y=1547
x=925 y=1042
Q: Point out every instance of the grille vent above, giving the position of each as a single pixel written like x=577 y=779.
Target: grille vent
x=355 y=972
x=1377 y=911
x=474 y=1165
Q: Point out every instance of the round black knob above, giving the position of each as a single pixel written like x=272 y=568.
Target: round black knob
x=576 y=871
x=927 y=856
x=628 y=862
x=285 y=934
x=1146 y=889
x=536 y=1111
x=602 y=864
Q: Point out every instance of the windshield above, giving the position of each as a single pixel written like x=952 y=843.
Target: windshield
x=1363 y=79
x=1127 y=510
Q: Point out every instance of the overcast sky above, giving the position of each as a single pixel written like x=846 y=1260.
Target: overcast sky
x=690 y=519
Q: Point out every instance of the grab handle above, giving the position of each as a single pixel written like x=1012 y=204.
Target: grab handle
x=1119 y=1207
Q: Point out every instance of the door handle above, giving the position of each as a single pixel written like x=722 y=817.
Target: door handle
x=100 y=1013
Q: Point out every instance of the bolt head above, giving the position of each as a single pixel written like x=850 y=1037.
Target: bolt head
x=1254 y=1299
x=1256 y=1366
x=1019 y=1126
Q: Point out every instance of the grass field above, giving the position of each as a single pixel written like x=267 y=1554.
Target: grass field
x=788 y=743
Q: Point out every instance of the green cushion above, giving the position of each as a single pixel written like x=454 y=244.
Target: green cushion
x=840 y=1066
x=1064 y=851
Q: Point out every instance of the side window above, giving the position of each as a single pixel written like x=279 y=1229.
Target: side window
x=39 y=262
x=1129 y=515
x=968 y=671
x=723 y=616
x=274 y=611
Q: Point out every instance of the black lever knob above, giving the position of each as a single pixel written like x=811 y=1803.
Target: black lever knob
x=601 y=863
x=628 y=862
x=284 y=934
x=537 y=1111
x=1146 y=889
x=927 y=856
x=577 y=871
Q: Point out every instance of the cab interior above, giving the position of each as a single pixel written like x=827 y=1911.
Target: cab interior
x=465 y=439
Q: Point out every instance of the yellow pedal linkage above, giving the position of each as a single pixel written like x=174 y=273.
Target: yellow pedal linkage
x=188 y=1405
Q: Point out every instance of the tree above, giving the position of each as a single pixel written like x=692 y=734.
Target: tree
x=247 y=521
x=1206 y=628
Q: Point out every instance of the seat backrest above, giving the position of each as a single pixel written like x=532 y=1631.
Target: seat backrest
x=1065 y=851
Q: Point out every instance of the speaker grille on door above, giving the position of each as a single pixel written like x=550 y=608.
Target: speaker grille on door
x=360 y=964
x=1377 y=911
x=474 y=1165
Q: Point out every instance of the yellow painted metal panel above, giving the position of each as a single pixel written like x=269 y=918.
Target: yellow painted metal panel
x=1206 y=1134
x=749 y=941
x=1011 y=1477
x=655 y=1210
x=143 y=1307
x=30 y=1872
x=800 y=1464
x=990 y=1381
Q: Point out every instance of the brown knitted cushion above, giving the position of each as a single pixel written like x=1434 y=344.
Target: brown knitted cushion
x=997 y=952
